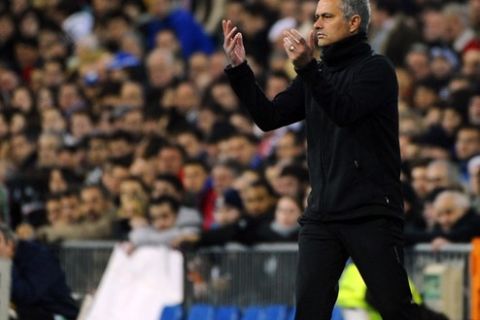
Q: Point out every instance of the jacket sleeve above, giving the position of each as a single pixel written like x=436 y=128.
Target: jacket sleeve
x=286 y=108
x=373 y=86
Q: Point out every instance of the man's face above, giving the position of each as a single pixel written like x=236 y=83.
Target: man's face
x=437 y=177
x=162 y=215
x=420 y=181
x=93 y=203
x=446 y=212
x=257 y=200
x=194 y=178
x=70 y=206
x=54 y=211
x=330 y=24
x=467 y=144
x=287 y=212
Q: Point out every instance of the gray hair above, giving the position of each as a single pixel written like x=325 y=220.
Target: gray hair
x=8 y=234
x=460 y=199
x=357 y=7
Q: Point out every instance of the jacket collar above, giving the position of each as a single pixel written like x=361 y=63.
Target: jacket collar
x=344 y=52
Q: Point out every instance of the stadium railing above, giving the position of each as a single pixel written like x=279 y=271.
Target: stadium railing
x=235 y=275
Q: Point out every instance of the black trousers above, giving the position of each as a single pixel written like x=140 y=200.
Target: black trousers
x=376 y=247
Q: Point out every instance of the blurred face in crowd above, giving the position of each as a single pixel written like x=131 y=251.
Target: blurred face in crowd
x=289 y=185
x=54 y=211
x=434 y=26
x=68 y=96
x=71 y=207
x=471 y=62
x=52 y=121
x=48 y=145
x=330 y=23
x=287 y=212
x=418 y=64
x=187 y=97
x=194 y=177
x=190 y=144
x=437 y=176
x=164 y=188
x=287 y=148
x=474 y=110
x=223 y=94
x=119 y=148
x=160 y=68
x=131 y=207
x=447 y=210
x=163 y=216
x=132 y=122
x=131 y=94
x=94 y=204
x=22 y=100
x=257 y=200
x=167 y=40
x=44 y=99
x=81 y=125
x=53 y=74
x=467 y=143
x=241 y=149
x=223 y=178
x=451 y=120
x=97 y=151
x=420 y=181
x=57 y=182
x=159 y=8
x=21 y=148
x=170 y=160
x=132 y=189
x=18 y=123
x=7 y=27
x=113 y=176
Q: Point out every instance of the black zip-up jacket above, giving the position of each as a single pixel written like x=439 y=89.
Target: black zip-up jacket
x=349 y=103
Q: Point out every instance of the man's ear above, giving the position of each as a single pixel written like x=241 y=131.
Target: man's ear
x=355 y=22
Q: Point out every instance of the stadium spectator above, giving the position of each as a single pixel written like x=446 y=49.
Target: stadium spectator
x=284 y=227
x=162 y=230
x=39 y=289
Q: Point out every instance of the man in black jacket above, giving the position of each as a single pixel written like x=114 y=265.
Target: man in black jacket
x=349 y=103
x=39 y=290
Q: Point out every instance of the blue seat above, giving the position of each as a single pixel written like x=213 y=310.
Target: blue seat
x=291 y=315
x=253 y=313
x=276 y=312
x=337 y=314
x=172 y=313
x=227 y=313
x=201 y=312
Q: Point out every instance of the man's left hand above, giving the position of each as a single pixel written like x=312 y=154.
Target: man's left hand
x=299 y=50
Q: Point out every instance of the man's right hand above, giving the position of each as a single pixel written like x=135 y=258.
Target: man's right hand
x=233 y=44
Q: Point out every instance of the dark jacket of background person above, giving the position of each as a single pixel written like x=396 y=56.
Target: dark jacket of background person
x=246 y=231
x=464 y=230
x=39 y=289
x=349 y=101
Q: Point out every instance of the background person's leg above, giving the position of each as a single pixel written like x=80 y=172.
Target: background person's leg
x=321 y=259
x=376 y=247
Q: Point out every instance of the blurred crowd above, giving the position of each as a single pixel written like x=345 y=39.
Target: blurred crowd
x=117 y=121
